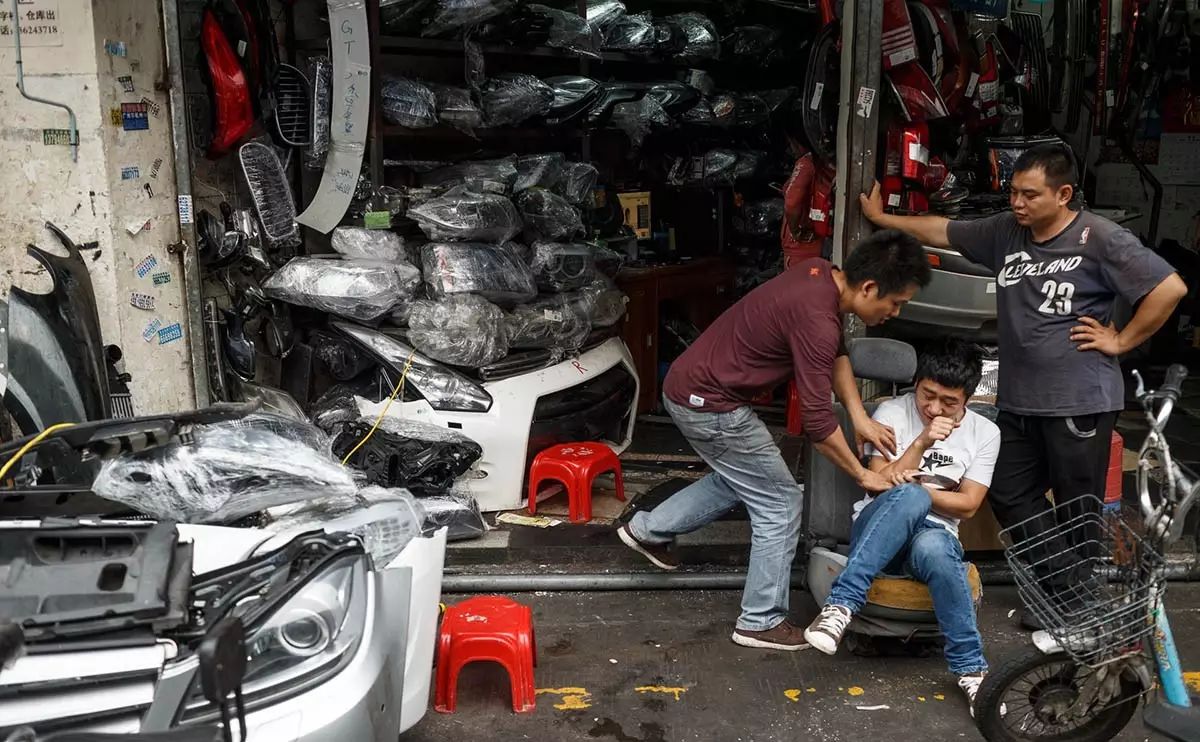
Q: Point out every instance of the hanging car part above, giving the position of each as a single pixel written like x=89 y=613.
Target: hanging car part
x=572 y=96
x=72 y=128
x=271 y=195
x=918 y=97
x=233 y=110
x=822 y=83
x=899 y=40
x=238 y=349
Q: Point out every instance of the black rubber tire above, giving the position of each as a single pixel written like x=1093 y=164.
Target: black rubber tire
x=1105 y=726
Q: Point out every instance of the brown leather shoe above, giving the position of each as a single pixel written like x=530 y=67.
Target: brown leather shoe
x=786 y=637
x=660 y=555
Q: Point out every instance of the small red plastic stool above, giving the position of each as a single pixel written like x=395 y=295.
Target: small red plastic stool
x=489 y=628
x=576 y=465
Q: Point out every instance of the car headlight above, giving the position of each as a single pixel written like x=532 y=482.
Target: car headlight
x=443 y=388
x=305 y=640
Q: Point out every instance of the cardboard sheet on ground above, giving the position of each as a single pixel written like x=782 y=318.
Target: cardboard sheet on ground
x=349 y=117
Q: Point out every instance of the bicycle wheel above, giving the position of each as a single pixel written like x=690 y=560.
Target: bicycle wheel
x=1040 y=695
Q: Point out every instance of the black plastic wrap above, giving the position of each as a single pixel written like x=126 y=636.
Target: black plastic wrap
x=320 y=71
x=608 y=261
x=632 y=33
x=762 y=218
x=363 y=290
x=700 y=114
x=549 y=322
x=483 y=176
x=542 y=171
x=600 y=301
x=561 y=266
x=510 y=99
x=369 y=244
x=703 y=42
x=498 y=273
x=336 y=406
x=457 y=513
x=752 y=43
x=402 y=17
x=577 y=182
x=569 y=30
x=227 y=471
x=456 y=108
x=422 y=457
x=547 y=215
x=386 y=520
x=455 y=14
x=749 y=165
x=461 y=330
x=462 y=215
x=408 y=103
x=344 y=359
x=638 y=118
x=604 y=14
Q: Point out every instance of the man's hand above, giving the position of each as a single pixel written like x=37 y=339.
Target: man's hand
x=872 y=204
x=938 y=429
x=881 y=436
x=1092 y=335
x=874 y=481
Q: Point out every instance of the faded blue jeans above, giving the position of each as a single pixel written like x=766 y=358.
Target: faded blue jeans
x=891 y=536
x=747 y=467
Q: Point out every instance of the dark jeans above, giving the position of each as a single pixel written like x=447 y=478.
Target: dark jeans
x=1068 y=455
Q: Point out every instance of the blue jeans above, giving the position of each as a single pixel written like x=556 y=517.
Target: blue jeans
x=746 y=467
x=891 y=536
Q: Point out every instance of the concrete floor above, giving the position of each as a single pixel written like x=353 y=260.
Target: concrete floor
x=659 y=667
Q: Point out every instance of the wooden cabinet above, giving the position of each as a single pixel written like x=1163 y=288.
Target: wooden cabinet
x=702 y=287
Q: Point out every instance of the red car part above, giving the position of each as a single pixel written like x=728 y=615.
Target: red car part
x=233 y=109
x=919 y=97
x=908 y=150
x=820 y=212
x=898 y=41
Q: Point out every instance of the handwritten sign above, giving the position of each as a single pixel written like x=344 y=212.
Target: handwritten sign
x=40 y=23
x=351 y=110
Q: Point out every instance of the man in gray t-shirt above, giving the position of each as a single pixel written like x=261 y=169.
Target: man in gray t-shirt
x=1058 y=275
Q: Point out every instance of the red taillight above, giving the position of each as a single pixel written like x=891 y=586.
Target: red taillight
x=820 y=212
x=233 y=112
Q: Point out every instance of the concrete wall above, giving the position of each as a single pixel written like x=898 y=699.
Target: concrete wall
x=90 y=199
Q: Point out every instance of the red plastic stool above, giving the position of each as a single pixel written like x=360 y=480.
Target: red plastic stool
x=490 y=628
x=576 y=465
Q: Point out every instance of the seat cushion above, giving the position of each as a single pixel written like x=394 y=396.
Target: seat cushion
x=907 y=594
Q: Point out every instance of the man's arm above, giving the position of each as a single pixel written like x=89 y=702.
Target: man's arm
x=930 y=230
x=878 y=434
x=961 y=504
x=835 y=448
x=1156 y=308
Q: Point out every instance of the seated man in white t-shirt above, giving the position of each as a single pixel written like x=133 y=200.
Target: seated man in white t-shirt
x=912 y=529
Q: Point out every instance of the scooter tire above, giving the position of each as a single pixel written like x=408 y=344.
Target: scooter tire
x=1104 y=726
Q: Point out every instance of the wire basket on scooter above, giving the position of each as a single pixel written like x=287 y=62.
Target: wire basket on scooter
x=1087 y=578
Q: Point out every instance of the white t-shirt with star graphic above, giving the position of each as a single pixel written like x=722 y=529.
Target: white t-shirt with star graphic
x=968 y=453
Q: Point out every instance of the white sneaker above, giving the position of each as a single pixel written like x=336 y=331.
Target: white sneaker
x=825 y=632
x=969 y=684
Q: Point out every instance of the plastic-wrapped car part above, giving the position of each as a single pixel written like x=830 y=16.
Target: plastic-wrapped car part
x=454 y=14
x=604 y=13
x=421 y=456
x=550 y=322
x=702 y=39
x=459 y=514
x=547 y=215
x=608 y=261
x=601 y=301
x=720 y=166
x=455 y=107
x=386 y=520
x=700 y=80
x=407 y=103
x=344 y=359
x=512 y=98
x=336 y=406
x=496 y=272
x=751 y=110
x=369 y=244
x=701 y=114
x=638 y=118
x=577 y=182
x=632 y=33
x=460 y=330
x=461 y=215
x=228 y=471
x=749 y=164
x=569 y=30
x=762 y=218
x=483 y=176
x=320 y=71
x=543 y=171
x=402 y=17
x=562 y=267
x=724 y=108
x=271 y=194
x=357 y=289
x=752 y=42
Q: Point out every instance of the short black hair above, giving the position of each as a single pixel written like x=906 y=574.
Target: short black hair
x=890 y=258
x=1057 y=161
x=954 y=364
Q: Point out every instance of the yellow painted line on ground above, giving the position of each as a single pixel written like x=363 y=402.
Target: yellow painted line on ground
x=939 y=696
x=1193 y=680
x=570 y=699
x=666 y=690
x=854 y=690
x=921 y=699
x=793 y=694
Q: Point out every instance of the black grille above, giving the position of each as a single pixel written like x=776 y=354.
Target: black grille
x=597 y=410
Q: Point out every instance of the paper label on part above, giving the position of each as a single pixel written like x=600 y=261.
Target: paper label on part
x=185 y=209
x=553 y=315
x=1110 y=96
x=816 y=215
x=907 y=54
x=894 y=200
x=865 y=102
x=991 y=287
x=989 y=91
x=972 y=83
x=818 y=91
x=918 y=153
x=377 y=220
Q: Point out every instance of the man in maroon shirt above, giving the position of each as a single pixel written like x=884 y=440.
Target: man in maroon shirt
x=789 y=326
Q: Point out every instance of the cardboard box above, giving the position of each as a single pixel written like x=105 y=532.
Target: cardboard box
x=636 y=207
